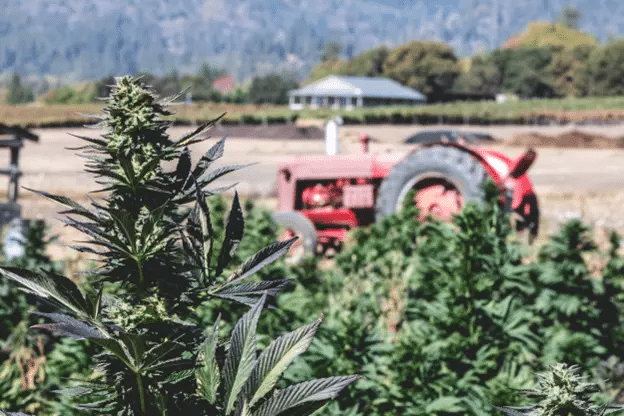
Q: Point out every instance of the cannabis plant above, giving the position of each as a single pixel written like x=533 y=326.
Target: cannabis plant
x=158 y=262
x=562 y=392
x=32 y=365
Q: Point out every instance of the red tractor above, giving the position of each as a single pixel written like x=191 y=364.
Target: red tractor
x=320 y=198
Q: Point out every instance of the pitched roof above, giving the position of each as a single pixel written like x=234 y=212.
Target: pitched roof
x=224 y=84
x=359 y=86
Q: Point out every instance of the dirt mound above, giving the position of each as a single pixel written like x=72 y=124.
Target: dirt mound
x=570 y=139
x=271 y=131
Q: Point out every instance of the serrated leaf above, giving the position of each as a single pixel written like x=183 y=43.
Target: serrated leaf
x=445 y=404
x=207 y=232
x=183 y=168
x=276 y=358
x=66 y=325
x=50 y=287
x=98 y=142
x=118 y=349
x=129 y=174
x=213 y=175
x=516 y=411
x=63 y=200
x=241 y=356
x=208 y=376
x=188 y=137
x=263 y=257
x=214 y=153
x=270 y=287
x=234 y=230
x=302 y=393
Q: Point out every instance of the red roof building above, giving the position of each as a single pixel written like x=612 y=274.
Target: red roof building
x=224 y=84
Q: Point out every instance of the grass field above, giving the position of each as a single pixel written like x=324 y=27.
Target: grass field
x=521 y=111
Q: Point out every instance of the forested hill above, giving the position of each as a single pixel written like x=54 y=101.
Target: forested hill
x=86 y=39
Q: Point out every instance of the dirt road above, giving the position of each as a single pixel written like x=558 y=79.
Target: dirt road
x=586 y=183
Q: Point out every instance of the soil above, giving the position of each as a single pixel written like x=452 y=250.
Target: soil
x=272 y=131
x=572 y=139
x=578 y=172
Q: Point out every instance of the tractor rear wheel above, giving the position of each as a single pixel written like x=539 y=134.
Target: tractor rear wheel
x=445 y=178
x=293 y=224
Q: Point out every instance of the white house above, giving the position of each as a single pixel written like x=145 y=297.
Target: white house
x=350 y=92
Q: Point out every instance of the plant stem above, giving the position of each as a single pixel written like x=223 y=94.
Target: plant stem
x=141 y=392
x=141 y=284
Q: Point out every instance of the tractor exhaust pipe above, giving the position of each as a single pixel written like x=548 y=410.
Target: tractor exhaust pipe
x=331 y=136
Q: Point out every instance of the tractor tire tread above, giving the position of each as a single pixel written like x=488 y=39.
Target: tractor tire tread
x=458 y=166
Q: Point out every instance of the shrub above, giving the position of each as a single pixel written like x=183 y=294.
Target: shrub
x=561 y=391
x=451 y=319
x=68 y=94
x=33 y=365
x=18 y=94
x=156 y=266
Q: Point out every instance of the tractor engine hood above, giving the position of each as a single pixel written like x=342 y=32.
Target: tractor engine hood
x=355 y=165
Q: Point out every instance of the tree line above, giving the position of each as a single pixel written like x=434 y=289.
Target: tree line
x=549 y=60
x=198 y=87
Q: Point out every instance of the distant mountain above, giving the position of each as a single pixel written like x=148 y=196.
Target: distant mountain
x=86 y=39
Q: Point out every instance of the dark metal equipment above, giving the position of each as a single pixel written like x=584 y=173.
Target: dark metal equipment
x=12 y=138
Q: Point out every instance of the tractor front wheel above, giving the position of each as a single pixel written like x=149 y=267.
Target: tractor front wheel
x=444 y=178
x=293 y=224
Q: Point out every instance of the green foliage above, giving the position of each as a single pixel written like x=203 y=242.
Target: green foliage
x=524 y=71
x=71 y=95
x=554 y=35
x=332 y=52
x=429 y=67
x=18 y=94
x=32 y=365
x=570 y=17
x=483 y=77
x=604 y=70
x=271 y=89
x=158 y=260
x=562 y=392
x=451 y=319
x=579 y=315
x=368 y=64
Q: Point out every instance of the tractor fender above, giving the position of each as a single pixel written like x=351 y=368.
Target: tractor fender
x=498 y=166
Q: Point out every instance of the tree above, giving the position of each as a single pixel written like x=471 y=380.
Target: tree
x=570 y=17
x=104 y=86
x=368 y=64
x=567 y=69
x=331 y=52
x=167 y=86
x=200 y=85
x=483 y=77
x=271 y=89
x=605 y=70
x=430 y=67
x=525 y=71
x=18 y=94
x=554 y=35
